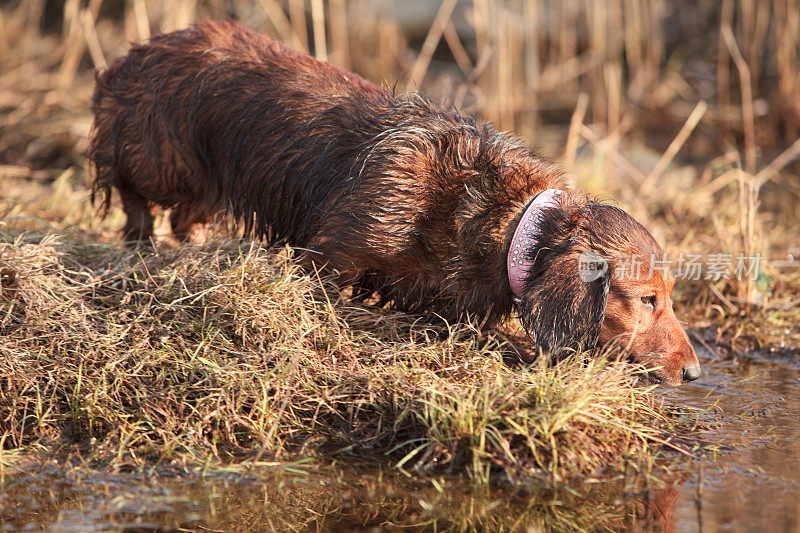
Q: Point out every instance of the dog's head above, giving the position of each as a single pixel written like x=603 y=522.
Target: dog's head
x=597 y=277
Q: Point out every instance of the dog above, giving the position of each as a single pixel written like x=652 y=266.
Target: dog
x=430 y=210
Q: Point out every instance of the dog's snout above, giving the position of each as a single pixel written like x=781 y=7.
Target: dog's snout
x=691 y=372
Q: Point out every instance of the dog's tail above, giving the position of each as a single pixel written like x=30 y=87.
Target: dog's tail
x=102 y=151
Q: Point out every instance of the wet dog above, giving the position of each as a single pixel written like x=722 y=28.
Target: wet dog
x=429 y=209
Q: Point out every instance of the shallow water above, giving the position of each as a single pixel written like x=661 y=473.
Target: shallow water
x=753 y=483
x=331 y=499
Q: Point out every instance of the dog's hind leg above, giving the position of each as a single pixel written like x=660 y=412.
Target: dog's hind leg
x=139 y=225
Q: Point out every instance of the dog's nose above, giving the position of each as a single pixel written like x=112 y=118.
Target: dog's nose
x=691 y=372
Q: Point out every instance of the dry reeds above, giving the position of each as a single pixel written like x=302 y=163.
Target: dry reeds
x=514 y=59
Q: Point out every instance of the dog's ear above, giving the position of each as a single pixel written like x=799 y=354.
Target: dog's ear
x=564 y=299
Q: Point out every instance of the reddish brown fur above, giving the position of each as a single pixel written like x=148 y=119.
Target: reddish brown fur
x=401 y=198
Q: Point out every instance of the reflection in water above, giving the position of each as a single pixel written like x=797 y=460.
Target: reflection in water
x=321 y=500
x=658 y=507
x=753 y=484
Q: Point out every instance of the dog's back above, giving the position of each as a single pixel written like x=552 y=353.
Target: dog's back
x=397 y=195
x=184 y=119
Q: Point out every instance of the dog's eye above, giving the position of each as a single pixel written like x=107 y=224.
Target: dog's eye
x=649 y=301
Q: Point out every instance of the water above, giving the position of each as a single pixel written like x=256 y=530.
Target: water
x=330 y=499
x=753 y=483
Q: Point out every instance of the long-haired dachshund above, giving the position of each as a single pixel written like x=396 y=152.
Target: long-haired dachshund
x=429 y=209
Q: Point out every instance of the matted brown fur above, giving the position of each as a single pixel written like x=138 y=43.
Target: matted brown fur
x=400 y=197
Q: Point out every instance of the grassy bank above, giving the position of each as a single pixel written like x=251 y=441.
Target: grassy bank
x=228 y=352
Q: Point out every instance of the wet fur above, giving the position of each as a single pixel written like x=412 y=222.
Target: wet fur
x=400 y=197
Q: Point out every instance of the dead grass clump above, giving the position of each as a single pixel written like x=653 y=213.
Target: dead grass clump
x=227 y=351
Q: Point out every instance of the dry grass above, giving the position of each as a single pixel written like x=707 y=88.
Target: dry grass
x=227 y=351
